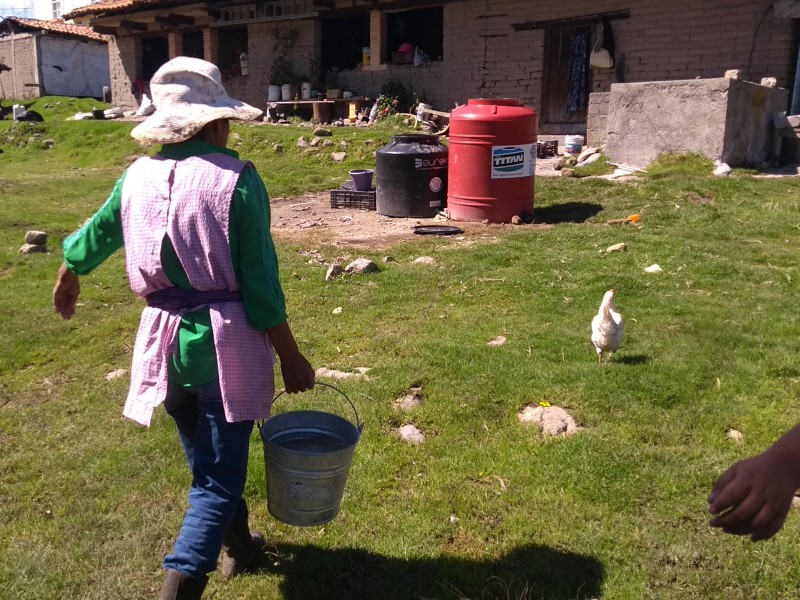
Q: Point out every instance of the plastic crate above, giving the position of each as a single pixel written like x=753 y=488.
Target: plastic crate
x=546 y=149
x=344 y=198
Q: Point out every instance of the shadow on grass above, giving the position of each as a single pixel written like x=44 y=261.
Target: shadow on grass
x=633 y=359
x=568 y=212
x=529 y=572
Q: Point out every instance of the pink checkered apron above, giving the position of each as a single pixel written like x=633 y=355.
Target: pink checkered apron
x=189 y=200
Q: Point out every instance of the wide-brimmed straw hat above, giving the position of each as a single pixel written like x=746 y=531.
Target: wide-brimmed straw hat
x=188 y=93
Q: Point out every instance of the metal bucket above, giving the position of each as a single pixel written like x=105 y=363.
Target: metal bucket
x=307 y=455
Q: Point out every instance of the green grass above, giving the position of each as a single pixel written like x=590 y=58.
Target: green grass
x=90 y=503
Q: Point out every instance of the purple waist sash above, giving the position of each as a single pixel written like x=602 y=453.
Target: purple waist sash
x=176 y=299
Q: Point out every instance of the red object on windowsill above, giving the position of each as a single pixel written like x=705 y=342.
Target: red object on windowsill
x=402 y=58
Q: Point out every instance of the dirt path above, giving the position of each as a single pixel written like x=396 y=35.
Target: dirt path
x=310 y=219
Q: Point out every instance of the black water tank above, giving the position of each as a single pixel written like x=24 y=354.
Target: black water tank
x=411 y=177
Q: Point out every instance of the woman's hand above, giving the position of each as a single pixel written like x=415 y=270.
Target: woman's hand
x=298 y=375
x=754 y=496
x=66 y=292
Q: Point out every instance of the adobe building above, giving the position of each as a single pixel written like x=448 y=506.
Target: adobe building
x=445 y=52
x=52 y=58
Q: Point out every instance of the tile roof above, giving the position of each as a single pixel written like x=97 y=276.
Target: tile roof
x=59 y=26
x=104 y=7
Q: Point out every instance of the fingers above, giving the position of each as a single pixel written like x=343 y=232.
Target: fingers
x=739 y=515
x=66 y=292
x=728 y=492
x=740 y=519
x=298 y=377
x=721 y=483
x=64 y=306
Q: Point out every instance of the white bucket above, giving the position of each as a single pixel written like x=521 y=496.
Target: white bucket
x=305 y=90
x=274 y=93
x=573 y=144
x=422 y=115
x=287 y=91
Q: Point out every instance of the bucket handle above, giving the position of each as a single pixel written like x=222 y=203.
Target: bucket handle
x=359 y=424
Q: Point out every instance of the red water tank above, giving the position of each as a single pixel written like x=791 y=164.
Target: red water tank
x=492 y=160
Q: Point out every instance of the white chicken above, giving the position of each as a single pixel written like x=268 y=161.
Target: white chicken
x=607 y=326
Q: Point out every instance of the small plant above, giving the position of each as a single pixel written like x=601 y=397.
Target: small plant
x=387 y=105
x=395 y=89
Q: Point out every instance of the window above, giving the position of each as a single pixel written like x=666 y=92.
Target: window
x=343 y=42
x=56 y=9
x=422 y=28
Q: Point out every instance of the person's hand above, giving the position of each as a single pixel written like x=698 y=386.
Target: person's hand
x=298 y=375
x=65 y=292
x=754 y=496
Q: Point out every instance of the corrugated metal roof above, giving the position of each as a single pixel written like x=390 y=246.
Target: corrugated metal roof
x=59 y=26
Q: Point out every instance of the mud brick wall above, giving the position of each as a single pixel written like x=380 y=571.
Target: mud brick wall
x=20 y=52
x=485 y=56
x=124 y=53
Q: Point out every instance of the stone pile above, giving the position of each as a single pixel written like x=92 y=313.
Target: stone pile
x=35 y=241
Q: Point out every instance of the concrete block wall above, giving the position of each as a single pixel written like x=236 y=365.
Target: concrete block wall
x=723 y=119
x=19 y=52
x=750 y=136
x=597 y=118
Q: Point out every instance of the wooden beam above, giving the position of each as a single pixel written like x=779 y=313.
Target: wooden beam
x=133 y=25
x=367 y=5
x=175 y=20
x=105 y=30
x=572 y=21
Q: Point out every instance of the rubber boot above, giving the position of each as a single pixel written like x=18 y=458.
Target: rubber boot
x=179 y=586
x=241 y=548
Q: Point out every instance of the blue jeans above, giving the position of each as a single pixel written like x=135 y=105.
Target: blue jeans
x=217 y=452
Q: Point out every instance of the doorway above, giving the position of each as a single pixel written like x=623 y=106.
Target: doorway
x=155 y=52
x=193 y=44
x=567 y=79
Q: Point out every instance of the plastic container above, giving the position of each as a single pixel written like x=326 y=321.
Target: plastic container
x=365 y=56
x=573 y=144
x=411 y=176
x=273 y=93
x=305 y=90
x=492 y=160
x=362 y=179
x=287 y=91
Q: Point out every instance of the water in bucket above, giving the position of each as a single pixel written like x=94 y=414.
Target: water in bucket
x=307 y=455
